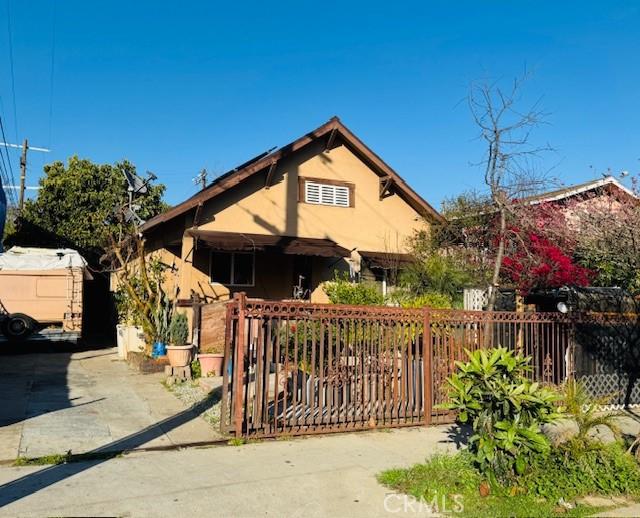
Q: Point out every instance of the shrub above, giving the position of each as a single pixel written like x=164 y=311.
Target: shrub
x=179 y=329
x=196 y=369
x=565 y=473
x=585 y=410
x=342 y=291
x=429 y=299
x=571 y=470
x=505 y=409
x=434 y=272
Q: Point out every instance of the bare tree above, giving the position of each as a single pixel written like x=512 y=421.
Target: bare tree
x=510 y=170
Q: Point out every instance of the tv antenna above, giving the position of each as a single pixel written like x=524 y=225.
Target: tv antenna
x=201 y=178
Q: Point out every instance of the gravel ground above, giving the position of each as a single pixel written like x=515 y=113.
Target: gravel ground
x=191 y=394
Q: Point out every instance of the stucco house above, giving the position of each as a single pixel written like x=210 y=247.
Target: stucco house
x=281 y=224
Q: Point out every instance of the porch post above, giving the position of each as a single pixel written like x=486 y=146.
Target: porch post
x=186 y=266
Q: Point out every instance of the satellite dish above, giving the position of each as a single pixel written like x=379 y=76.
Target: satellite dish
x=135 y=184
x=131 y=217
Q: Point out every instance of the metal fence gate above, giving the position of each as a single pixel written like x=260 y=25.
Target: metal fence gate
x=297 y=368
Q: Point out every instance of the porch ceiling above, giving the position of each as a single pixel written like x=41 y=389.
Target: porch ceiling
x=235 y=241
x=386 y=260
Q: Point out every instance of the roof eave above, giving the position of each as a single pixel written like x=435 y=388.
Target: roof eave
x=227 y=181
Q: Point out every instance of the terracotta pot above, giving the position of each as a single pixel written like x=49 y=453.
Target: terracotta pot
x=211 y=364
x=179 y=355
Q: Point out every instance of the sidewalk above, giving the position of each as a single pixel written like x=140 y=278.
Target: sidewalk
x=317 y=476
x=56 y=402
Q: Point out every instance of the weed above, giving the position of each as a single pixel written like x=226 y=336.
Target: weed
x=65 y=458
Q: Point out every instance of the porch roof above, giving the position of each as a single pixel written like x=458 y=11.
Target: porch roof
x=385 y=260
x=238 y=242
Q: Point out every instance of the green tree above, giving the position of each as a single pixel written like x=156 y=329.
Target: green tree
x=73 y=203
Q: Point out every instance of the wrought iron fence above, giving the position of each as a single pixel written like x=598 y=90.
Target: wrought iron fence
x=298 y=368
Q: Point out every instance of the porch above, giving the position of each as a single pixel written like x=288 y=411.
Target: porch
x=263 y=266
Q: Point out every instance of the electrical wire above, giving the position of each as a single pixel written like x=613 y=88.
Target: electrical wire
x=13 y=81
x=9 y=177
x=54 y=18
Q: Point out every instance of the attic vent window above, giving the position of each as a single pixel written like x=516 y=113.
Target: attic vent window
x=318 y=193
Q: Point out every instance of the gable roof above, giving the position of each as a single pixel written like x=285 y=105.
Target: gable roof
x=608 y=182
x=330 y=130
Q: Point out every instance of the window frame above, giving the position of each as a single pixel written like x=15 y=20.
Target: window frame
x=232 y=255
x=302 y=198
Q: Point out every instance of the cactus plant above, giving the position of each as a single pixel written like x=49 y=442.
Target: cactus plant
x=179 y=329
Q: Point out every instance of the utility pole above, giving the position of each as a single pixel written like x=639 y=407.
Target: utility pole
x=23 y=173
x=23 y=165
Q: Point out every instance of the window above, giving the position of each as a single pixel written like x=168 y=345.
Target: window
x=319 y=193
x=232 y=268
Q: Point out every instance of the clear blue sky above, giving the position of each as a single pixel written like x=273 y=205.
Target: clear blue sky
x=175 y=87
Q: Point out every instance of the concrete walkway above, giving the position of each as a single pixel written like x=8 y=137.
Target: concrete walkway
x=317 y=476
x=54 y=402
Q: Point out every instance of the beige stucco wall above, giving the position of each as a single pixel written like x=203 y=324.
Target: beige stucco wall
x=371 y=225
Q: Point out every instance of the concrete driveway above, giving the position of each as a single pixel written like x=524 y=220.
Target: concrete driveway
x=55 y=401
x=311 y=477
x=89 y=401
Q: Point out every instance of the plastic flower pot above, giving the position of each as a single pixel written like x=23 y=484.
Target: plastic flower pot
x=211 y=364
x=159 y=349
x=179 y=355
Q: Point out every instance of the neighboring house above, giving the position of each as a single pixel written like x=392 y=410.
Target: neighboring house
x=284 y=222
x=574 y=202
x=582 y=197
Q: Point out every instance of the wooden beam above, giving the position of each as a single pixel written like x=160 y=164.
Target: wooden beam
x=385 y=186
x=331 y=139
x=196 y=216
x=270 y=173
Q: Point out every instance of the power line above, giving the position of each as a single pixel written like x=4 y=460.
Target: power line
x=10 y=177
x=54 y=19
x=13 y=81
x=9 y=171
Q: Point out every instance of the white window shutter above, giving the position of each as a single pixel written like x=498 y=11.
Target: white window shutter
x=326 y=194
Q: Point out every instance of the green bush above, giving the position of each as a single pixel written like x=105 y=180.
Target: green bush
x=434 y=272
x=429 y=299
x=505 y=409
x=586 y=411
x=566 y=473
x=571 y=470
x=196 y=369
x=342 y=291
x=179 y=329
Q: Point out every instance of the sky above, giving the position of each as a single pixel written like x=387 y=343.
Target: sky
x=175 y=87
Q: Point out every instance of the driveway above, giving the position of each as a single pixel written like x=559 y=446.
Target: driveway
x=89 y=401
x=316 y=476
x=57 y=401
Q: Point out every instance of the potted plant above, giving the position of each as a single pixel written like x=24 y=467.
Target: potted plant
x=179 y=352
x=211 y=359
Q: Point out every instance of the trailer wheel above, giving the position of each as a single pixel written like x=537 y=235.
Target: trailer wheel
x=18 y=326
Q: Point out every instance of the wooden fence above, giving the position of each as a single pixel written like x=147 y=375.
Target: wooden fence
x=298 y=368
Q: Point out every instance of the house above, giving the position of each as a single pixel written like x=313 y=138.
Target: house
x=585 y=196
x=281 y=224
x=576 y=204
